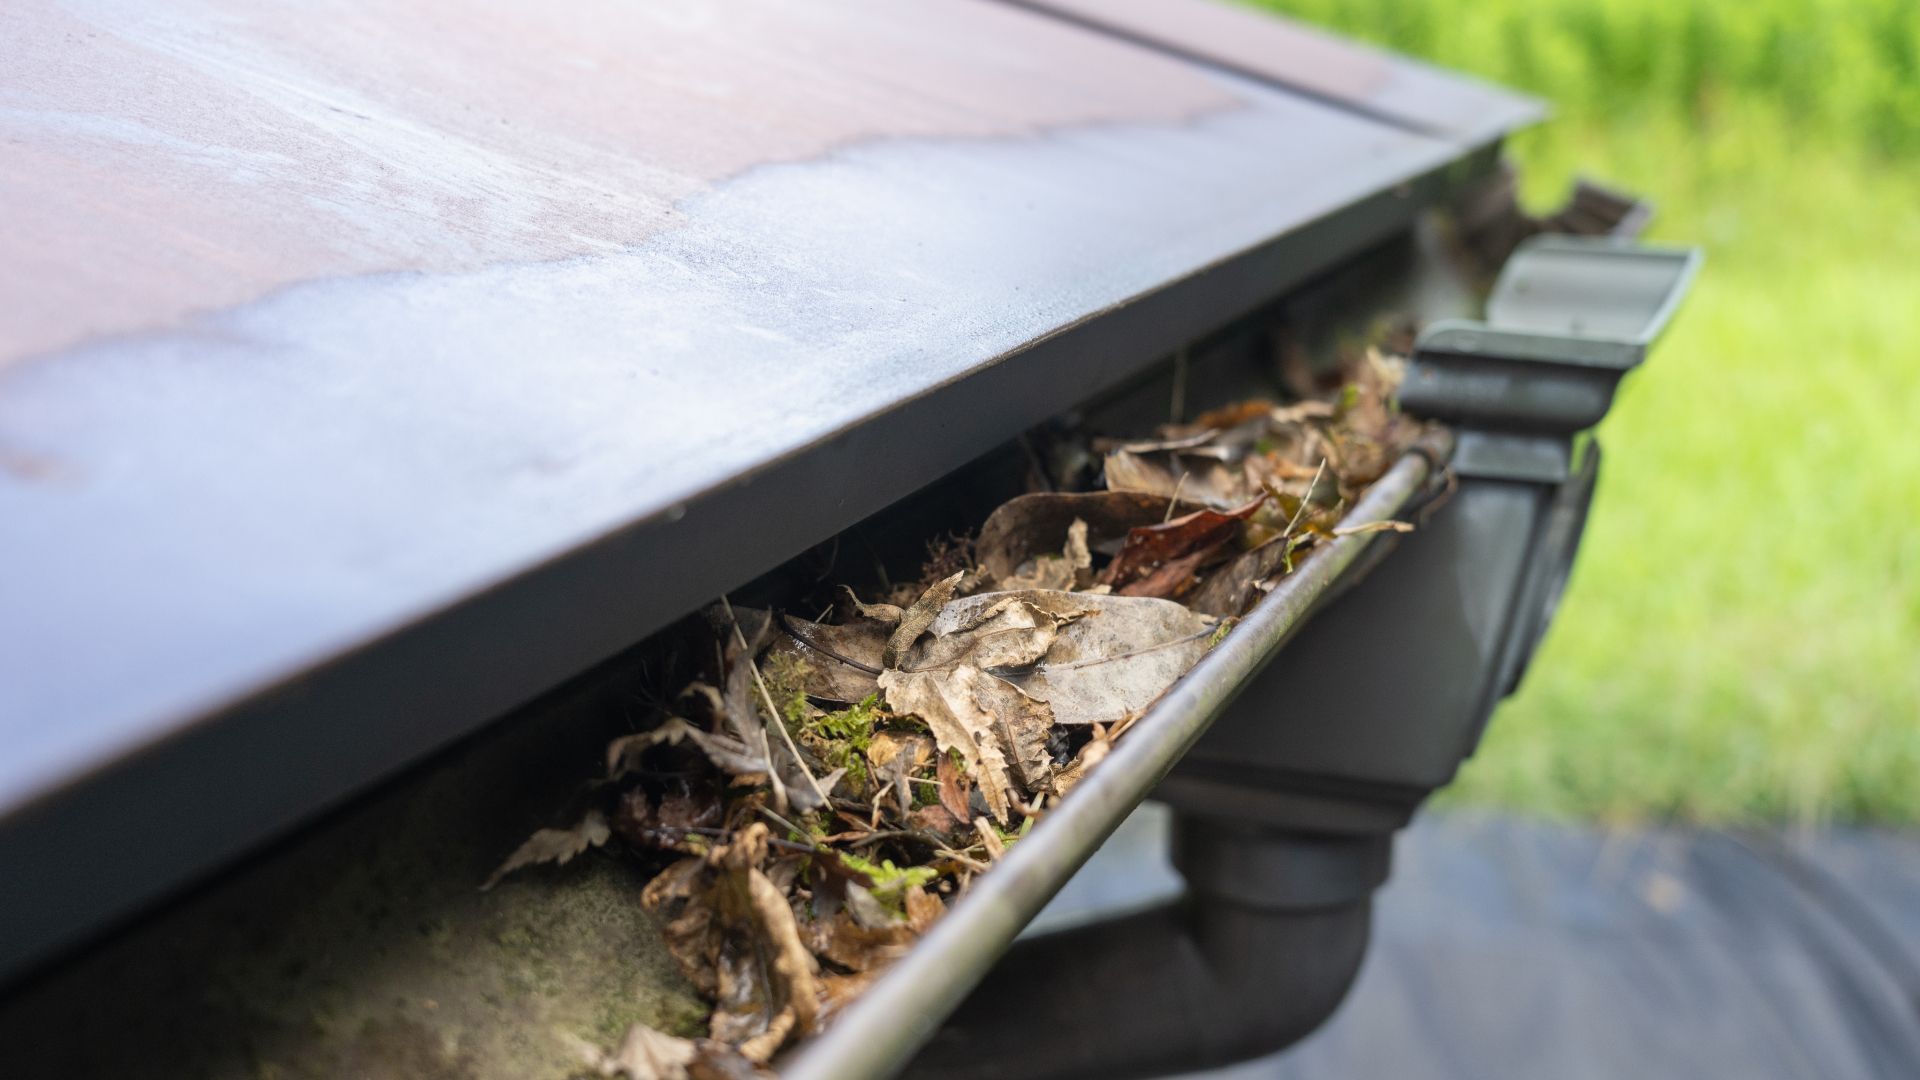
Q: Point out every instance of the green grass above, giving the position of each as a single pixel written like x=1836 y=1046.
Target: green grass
x=1742 y=636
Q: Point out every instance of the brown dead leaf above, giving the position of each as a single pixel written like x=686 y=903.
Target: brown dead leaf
x=644 y=1054
x=557 y=846
x=647 y=1054
x=1181 y=544
x=726 y=752
x=1011 y=631
x=1232 y=588
x=1020 y=725
x=935 y=819
x=887 y=746
x=915 y=620
x=841 y=662
x=945 y=700
x=884 y=614
x=1029 y=527
x=1068 y=570
x=734 y=935
x=923 y=909
x=1240 y=412
x=953 y=793
x=1111 y=659
x=839 y=991
x=1175 y=475
x=863 y=936
x=669 y=825
x=678 y=897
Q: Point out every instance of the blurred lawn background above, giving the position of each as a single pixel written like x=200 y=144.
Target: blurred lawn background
x=1741 y=640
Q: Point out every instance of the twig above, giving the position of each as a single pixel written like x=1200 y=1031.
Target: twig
x=792 y=828
x=972 y=864
x=668 y=833
x=897 y=834
x=773 y=712
x=1173 y=500
x=1302 y=508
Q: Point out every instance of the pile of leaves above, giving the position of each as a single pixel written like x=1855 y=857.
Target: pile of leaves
x=839 y=781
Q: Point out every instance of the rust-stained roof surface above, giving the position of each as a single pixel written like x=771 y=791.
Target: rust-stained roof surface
x=365 y=369
x=165 y=160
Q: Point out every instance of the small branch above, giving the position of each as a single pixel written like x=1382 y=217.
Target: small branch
x=792 y=828
x=1300 y=510
x=773 y=711
x=668 y=834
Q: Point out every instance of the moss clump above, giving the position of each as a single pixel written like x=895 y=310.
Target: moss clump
x=842 y=738
x=890 y=882
x=786 y=679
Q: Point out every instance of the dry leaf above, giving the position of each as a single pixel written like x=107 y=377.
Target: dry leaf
x=644 y=1054
x=1111 y=659
x=1065 y=571
x=1231 y=589
x=647 y=1054
x=1027 y=527
x=917 y=618
x=914 y=751
x=945 y=700
x=667 y=826
x=1182 y=543
x=557 y=846
x=838 y=991
x=734 y=935
x=935 y=819
x=1374 y=527
x=1174 y=475
x=953 y=793
x=841 y=662
x=884 y=614
x=857 y=945
x=727 y=752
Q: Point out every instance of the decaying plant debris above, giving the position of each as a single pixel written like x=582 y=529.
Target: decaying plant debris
x=840 y=779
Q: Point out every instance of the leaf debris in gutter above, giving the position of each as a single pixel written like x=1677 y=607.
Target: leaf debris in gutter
x=818 y=801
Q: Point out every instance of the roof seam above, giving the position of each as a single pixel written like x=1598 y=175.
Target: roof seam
x=1267 y=79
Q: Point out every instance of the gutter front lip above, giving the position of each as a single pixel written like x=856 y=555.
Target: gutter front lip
x=878 y=1034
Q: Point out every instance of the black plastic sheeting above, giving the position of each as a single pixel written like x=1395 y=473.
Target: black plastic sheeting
x=1516 y=948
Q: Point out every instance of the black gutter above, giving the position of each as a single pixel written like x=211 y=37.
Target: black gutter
x=879 y=1034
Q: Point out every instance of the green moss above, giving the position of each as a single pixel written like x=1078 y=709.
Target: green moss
x=890 y=882
x=842 y=738
x=853 y=725
x=786 y=679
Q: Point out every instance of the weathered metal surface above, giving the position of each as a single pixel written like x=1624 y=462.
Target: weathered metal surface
x=370 y=371
x=165 y=161
x=1288 y=54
